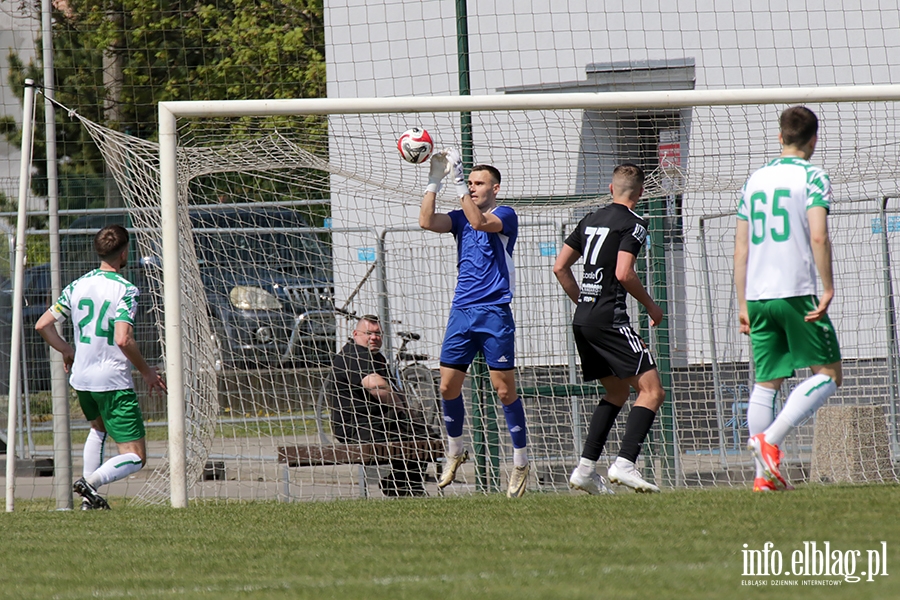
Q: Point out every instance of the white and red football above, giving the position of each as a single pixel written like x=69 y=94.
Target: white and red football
x=415 y=145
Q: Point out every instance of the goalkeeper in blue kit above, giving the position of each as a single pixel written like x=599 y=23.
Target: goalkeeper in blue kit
x=480 y=319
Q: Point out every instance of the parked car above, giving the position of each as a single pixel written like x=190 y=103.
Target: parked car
x=267 y=278
x=268 y=284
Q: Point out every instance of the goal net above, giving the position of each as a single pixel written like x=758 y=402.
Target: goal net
x=291 y=226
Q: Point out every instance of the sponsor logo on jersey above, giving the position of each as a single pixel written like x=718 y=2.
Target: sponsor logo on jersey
x=591 y=289
x=639 y=233
x=593 y=275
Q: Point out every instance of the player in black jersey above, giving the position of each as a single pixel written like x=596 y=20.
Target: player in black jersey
x=609 y=239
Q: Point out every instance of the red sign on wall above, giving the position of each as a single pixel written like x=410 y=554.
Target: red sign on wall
x=669 y=150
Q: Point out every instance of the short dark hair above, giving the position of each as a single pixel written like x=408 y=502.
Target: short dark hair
x=798 y=125
x=633 y=174
x=110 y=240
x=494 y=171
x=373 y=319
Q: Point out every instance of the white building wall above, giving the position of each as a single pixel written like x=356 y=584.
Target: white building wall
x=17 y=33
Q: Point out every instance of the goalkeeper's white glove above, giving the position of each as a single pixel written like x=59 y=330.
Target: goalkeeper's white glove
x=439 y=169
x=459 y=178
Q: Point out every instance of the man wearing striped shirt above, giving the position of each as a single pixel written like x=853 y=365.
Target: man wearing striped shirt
x=781 y=241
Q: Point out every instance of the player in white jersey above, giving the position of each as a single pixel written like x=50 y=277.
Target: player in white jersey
x=781 y=242
x=102 y=306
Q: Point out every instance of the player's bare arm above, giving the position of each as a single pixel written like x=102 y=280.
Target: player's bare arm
x=428 y=218
x=629 y=279
x=124 y=338
x=821 y=247
x=46 y=327
x=562 y=269
x=741 y=253
x=478 y=219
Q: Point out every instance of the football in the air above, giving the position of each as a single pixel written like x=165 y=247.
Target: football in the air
x=415 y=145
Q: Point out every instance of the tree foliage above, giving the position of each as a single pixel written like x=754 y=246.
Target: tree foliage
x=158 y=50
x=178 y=50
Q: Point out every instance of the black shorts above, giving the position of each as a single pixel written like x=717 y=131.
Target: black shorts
x=609 y=351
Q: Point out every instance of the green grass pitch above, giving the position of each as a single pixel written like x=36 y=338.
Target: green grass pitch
x=678 y=544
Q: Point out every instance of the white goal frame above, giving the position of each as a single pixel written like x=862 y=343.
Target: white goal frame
x=169 y=112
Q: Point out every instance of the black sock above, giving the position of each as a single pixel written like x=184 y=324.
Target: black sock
x=601 y=423
x=637 y=426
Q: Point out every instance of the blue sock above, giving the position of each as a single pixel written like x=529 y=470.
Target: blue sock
x=454 y=416
x=515 y=420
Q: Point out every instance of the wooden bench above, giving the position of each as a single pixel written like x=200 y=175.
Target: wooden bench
x=363 y=455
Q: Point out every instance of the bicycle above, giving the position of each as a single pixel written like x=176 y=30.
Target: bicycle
x=419 y=385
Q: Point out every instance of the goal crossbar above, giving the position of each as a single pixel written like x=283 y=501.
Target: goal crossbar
x=586 y=100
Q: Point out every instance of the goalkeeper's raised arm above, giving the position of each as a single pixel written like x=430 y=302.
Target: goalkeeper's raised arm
x=428 y=218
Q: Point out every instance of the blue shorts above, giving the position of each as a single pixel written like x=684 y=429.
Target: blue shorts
x=490 y=329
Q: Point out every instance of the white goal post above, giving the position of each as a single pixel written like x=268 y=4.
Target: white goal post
x=170 y=186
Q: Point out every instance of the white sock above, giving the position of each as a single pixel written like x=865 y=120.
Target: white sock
x=93 y=451
x=116 y=468
x=520 y=456
x=587 y=467
x=455 y=446
x=801 y=404
x=760 y=414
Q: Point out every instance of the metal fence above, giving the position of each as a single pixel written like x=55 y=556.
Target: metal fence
x=408 y=275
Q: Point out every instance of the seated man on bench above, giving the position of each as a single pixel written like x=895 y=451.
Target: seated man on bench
x=366 y=408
